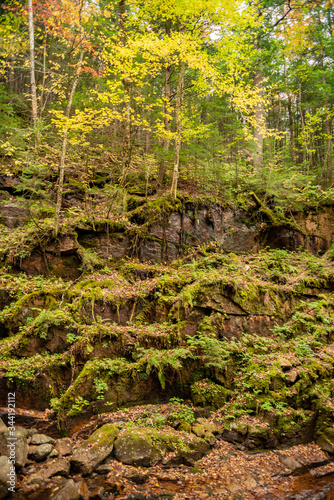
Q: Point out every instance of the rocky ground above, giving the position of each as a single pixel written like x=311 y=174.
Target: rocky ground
x=221 y=318
x=111 y=457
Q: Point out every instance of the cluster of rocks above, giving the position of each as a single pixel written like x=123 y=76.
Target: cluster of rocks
x=60 y=469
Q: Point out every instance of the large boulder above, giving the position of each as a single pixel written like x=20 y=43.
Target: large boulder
x=95 y=449
x=7 y=477
x=13 y=215
x=148 y=447
x=14 y=444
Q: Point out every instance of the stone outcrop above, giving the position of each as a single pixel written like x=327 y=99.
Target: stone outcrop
x=148 y=447
x=164 y=239
x=13 y=215
x=93 y=451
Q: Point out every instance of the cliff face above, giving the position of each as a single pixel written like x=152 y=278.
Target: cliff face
x=179 y=299
x=161 y=231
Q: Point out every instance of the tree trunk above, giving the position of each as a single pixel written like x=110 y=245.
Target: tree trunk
x=147 y=144
x=292 y=136
x=259 y=121
x=178 y=119
x=126 y=153
x=329 y=147
x=64 y=146
x=167 y=118
x=32 y=69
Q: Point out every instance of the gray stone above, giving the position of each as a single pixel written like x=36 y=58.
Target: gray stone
x=32 y=431
x=95 y=449
x=68 y=491
x=41 y=452
x=7 y=473
x=23 y=431
x=13 y=215
x=41 y=439
x=18 y=445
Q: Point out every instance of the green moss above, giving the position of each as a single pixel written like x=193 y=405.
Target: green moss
x=103 y=435
x=207 y=393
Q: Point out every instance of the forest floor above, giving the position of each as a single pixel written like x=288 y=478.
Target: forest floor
x=228 y=472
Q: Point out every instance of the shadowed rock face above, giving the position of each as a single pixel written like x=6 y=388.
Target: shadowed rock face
x=13 y=215
x=197 y=227
x=292 y=240
x=165 y=240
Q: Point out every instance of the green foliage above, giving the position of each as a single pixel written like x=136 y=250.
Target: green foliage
x=182 y=413
x=78 y=406
x=100 y=386
x=90 y=260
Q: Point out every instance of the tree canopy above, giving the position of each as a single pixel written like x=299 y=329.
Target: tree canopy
x=214 y=94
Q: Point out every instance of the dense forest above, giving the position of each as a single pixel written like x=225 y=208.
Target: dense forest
x=217 y=95
x=166 y=250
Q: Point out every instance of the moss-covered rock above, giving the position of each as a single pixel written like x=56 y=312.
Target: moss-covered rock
x=95 y=449
x=205 y=429
x=147 y=447
x=326 y=440
x=208 y=393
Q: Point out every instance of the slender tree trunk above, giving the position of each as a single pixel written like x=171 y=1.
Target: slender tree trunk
x=147 y=141
x=32 y=69
x=167 y=119
x=329 y=147
x=41 y=100
x=126 y=153
x=178 y=119
x=10 y=74
x=259 y=121
x=292 y=135
x=305 y=150
x=64 y=146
